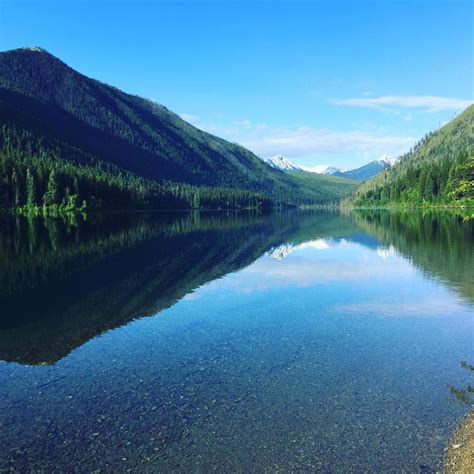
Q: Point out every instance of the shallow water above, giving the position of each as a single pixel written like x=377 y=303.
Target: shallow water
x=198 y=342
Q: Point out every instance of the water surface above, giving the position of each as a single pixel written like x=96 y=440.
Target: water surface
x=199 y=342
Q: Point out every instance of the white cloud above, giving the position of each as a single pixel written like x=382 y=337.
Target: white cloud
x=306 y=269
x=430 y=103
x=303 y=141
x=246 y=124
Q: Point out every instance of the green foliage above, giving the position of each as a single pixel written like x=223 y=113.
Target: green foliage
x=438 y=171
x=51 y=195
x=461 y=183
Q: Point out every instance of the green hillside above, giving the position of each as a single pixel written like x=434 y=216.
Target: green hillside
x=327 y=188
x=439 y=170
x=70 y=141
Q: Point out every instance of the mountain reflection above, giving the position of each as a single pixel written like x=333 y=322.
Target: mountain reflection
x=65 y=281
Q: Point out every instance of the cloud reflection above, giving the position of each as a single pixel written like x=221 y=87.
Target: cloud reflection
x=298 y=265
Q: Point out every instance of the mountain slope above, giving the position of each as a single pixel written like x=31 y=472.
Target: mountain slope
x=326 y=188
x=359 y=174
x=367 y=171
x=439 y=170
x=164 y=145
x=332 y=188
x=48 y=110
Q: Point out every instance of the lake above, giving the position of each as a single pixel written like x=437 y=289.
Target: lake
x=197 y=342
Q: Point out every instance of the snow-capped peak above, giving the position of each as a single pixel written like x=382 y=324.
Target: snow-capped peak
x=331 y=170
x=321 y=169
x=386 y=159
x=35 y=48
x=282 y=163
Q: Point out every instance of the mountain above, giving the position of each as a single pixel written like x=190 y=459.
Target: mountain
x=439 y=170
x=331 y=187
x=387 y=160
x=281 y=163
x=331 y=170
x=367 y=171
x=70 y=141
x=360 y=174
x=320 y=169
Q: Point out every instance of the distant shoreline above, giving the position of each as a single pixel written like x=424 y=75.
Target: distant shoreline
x=441 y=207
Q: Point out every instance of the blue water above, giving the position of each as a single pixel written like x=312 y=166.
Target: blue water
x=328 y=352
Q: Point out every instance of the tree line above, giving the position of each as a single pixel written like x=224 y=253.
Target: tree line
x=35 y=177
x=436 y=183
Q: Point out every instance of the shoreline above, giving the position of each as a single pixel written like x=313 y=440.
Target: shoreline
x=459 y=457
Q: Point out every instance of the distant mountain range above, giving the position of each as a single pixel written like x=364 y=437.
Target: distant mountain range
x=362 y=173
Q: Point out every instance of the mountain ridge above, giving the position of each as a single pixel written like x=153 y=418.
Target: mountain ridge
x=130 y=145
x=361 y=173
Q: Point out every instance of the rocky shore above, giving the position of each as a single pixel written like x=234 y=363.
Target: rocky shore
x=460 y=453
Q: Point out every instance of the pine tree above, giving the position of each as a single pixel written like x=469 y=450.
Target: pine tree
x=422 y=180
x=51 y=195
x=30 y=188
x=16 y=189
x=428 y=191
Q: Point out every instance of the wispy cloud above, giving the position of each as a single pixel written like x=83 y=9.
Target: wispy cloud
x=429 y=103
x=302 y=141
x=432 y=307
x=305 y=269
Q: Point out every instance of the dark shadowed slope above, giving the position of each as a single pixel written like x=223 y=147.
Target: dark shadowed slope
x=49 y=110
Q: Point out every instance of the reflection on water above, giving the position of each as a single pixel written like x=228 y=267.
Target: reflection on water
x=305 y=341
x=63 y=284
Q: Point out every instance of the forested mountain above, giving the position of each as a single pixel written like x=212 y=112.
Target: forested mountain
x=439 y=170
x=70 y=141
x=331 y=187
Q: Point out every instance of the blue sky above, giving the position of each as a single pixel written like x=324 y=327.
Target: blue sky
x=321 y=82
